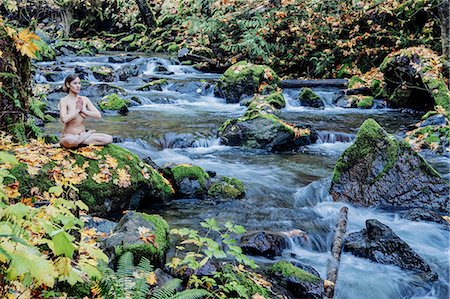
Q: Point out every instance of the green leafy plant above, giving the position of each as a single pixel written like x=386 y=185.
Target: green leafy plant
x=232 y=280
x=169 y=291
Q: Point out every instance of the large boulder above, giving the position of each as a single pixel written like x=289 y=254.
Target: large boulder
x=414 y=79
x=378 y=170
x=258 y=129
x=302 y=283
x=188 y=180
x=141 y=234
x=244 y=79
x=227 y=188
x=380 y=244
x=109 y=178
x=103 y=73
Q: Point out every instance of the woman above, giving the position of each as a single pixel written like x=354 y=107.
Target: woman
x=73 y=110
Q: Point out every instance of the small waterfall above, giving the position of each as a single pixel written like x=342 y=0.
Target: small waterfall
x=333 y=137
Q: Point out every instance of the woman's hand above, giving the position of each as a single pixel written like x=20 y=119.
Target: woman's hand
x=80 y=104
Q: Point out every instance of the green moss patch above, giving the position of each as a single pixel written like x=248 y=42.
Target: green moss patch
x=191 y=172
x=370 y=136
x=152 y=85
x=227 y=188
x=153 y=250
x=365 y=103
x=113 y=102
x=287 y=269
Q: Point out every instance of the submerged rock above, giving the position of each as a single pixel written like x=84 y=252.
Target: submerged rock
x=268 y=244
x=244 y=79
x=414 y=79
x=309 y=98
x=153 y=85
x=380 y=244
x=301 y=283
x=378 y=170
x=141 y=234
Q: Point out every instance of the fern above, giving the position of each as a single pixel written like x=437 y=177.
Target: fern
x=169 y=291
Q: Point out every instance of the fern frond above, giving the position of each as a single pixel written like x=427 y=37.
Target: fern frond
x=167 y=290
x=125 y=266
x=191 y=294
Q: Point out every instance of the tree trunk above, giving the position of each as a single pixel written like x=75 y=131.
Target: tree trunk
x=15 y=89
x=444 y=12
x=147 y=14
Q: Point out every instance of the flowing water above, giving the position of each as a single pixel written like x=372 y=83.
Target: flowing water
x=283 y=191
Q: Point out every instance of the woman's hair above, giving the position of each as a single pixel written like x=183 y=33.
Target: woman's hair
x=68 y=80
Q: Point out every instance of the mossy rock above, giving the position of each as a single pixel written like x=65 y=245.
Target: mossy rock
x=107 y=177
x=189 y=180
x=246 y=79
x=355 y=82
x=298 y=281
x=259 y=128
x=154 y=85
x=113 y=102
x=275 y=99
x=378 y=170
x=227 y=188
x=414 y=79
x=309 y=98
x=102 y=73
x=365 y=103
x=141 y=234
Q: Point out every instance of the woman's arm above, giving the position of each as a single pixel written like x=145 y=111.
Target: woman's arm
x=64 y=114
x=90 y=110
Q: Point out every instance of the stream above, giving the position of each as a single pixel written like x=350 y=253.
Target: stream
x=284 y=191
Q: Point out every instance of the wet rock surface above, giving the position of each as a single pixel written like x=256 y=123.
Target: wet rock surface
x=380 y=244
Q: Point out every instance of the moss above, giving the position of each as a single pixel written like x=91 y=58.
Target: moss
x=367 y=140
x=377 y=89
x=153 y=83
x=439 y=91
x=149 y=250
x=172 y=48
x=227 y=188
x=250 y=74
x=102 y=70
x=308 y=95
x=191 y=172
x=113 y=102
x=365 y=103
x=355 y=82
x=276 y=99
x=287 y=269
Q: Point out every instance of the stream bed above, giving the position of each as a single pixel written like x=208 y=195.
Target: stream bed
x=284 y=191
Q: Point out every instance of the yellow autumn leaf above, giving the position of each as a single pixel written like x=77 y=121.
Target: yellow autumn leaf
x=124 y=178
x=112 y=162
x=151 y=278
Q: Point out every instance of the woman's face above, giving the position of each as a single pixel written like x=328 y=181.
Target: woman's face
x=75 y=86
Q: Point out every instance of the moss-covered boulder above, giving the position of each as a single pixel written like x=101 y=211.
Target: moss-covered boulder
x=113 y=102
x=414 y=79
x=309 y=98
x=142 y=234
x=365 y=102
x=103 y=73
x=244 y=79
x=109 y=178
x=432 y=133
x=189 y=180
x=153 y=85
x=258 y=128
x=275 y=99
x=227 y=188
x=304 y=284
x=378 y=170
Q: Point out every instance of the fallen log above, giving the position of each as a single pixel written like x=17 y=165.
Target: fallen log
x=336 y=251
x=365 y=91
x=294 y=83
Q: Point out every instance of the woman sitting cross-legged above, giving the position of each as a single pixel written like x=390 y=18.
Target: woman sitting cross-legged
x=73 y=110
